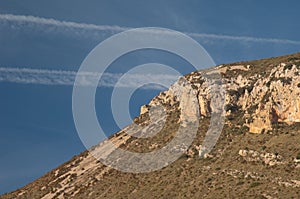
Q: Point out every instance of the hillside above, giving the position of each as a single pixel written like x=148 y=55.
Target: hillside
x=256 y=156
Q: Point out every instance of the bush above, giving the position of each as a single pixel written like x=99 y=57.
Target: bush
x=254 y=184
x=298 y=156
x=285 y=80
x=234 y=93
x=244 y=129
x=288 y=66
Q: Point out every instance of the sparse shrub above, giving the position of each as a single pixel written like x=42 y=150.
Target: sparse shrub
x=266 y=97
x=292 y=59
x=298 y=156
x=250 y=120
x=288 y=66
x=254 y=184
x=250 y=88
x=252 y=108
x=230 y=117
x=240 y=183
x=284 y=80
x=241 y=90
x=231 y=107
x=243 y=129
x=234 y=93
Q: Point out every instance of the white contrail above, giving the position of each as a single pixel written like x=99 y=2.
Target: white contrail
x=67 y=78
x=244 y=38
x=54 y=22
x=22 y=19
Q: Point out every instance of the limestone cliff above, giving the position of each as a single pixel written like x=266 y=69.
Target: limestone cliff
x=265 y=99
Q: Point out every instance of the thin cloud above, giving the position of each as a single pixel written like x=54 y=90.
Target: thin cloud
x=67 y=78
x=54 y=22
x=244 y=38
x=66 y=25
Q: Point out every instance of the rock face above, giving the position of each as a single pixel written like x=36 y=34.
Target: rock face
x=264 y=99
x=276 y=97
x=261 y=97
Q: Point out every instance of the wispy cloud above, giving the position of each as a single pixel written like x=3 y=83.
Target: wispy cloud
x=66 y=25
x=244 y=38
x=67 y=78
x=54 y=22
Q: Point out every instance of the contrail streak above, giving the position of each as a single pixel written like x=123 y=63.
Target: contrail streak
x=65 y=25
x=54 y=22
x=67 y=78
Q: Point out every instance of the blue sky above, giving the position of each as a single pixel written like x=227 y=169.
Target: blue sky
x=37 y=131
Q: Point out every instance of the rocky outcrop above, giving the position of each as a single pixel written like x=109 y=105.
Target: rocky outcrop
x=263 y=99
x=269 y=159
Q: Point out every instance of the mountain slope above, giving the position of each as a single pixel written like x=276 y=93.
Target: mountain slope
x=257 y=154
